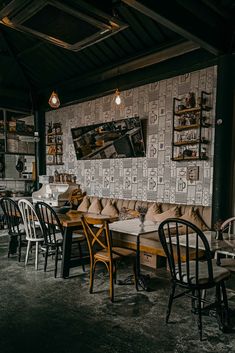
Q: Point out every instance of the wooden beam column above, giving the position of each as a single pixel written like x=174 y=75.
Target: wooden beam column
x=222 y=199
x=39 y=120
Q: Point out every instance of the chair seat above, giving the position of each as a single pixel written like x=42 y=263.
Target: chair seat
x=104 y=256
x=17 y=234
x=219 y=273
x=38 y=234
x=59 y=239
x=78 y=236
x=117 y=253
x=228 y=263
x=59 y=236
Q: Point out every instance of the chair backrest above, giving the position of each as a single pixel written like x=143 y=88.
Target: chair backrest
x=12 y=215
x=228 y=226
x=184 y=251
x=97 y=234
x=31 y=222
x=49 y=221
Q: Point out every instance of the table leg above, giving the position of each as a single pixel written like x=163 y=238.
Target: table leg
x=142 y=280
x=66 y=255
x=137 y=261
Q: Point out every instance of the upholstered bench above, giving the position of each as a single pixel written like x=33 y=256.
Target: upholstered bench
x=150 y=246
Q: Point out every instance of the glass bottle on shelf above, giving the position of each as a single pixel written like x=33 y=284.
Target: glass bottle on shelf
x=56 y=176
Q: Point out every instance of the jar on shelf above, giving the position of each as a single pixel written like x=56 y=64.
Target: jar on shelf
x=204 y=152
x=192 y=119
x=56 y=176
x=182 y=120
x=57 y=128
x=190 y=100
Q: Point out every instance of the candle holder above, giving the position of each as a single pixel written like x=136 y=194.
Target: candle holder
x=142 y=213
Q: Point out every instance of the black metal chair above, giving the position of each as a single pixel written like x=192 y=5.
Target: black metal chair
x=53 y=232
x=226 y=257
x=192 y=269
x=13 y=219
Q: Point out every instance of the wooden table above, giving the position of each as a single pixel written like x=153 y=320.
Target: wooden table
x=72 y=222
x=136 y=229
x=228 y=242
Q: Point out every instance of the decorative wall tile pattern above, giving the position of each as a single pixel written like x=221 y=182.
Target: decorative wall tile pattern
x=156 y=177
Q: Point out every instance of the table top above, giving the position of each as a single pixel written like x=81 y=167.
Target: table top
x=228 y=242
x=133 y=227
x=73 y=219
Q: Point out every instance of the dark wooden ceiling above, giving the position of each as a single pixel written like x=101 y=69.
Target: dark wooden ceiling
x=86 y=48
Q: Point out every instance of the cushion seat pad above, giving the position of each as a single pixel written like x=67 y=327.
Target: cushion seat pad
x=219 y=273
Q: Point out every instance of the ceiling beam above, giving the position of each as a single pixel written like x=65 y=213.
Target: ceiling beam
x=13 y=98
x=6 y=42
x=189 y=62
x=20 y=68
x=13 y=93
x=30 y=49
x=123 y=68
x=178 y=19
x=218 y=9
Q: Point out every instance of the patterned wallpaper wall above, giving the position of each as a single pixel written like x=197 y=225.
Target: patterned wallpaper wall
x=155 y=177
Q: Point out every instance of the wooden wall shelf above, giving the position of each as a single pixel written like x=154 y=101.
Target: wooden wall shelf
x=190 y=134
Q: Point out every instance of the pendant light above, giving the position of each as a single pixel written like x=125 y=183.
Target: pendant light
x=54 y=101
x=117 y=97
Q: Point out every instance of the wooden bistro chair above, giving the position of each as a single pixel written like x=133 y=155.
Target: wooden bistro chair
x=33 y=229
x=15 y=227
x=101 y=250
x=197 y=273
x=53 y=232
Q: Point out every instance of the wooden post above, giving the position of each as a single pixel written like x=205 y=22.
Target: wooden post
x=222 y=198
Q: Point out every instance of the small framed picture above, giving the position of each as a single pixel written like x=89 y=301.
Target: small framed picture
x=193 y=173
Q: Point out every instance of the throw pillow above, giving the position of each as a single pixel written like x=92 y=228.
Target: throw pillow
x=84 y=205
x=126 y=213
x=173 y=212
x=193 y=217
x=95 y=206
x=153 y=210
x=110 y=210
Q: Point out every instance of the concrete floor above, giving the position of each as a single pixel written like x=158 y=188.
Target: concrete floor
x=39 y=313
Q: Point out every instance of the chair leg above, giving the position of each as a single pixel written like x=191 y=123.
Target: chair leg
x=222 y=307
x=36 y=256
x=9 y=248
x=115 y=272
x=13 y=245
x=171 y=297
x=56 y=260
x=193 y=302
x=199 y=321
x=46 y=257
x=19 y=249
x=81 y=256
x=204 y=293
x=225 y=303
x=27 y=252
x=92 y=272
x=111 y=282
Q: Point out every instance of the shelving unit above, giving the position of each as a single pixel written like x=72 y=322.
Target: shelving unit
x=54 y=145
x=190 y=135
x=17 y=148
